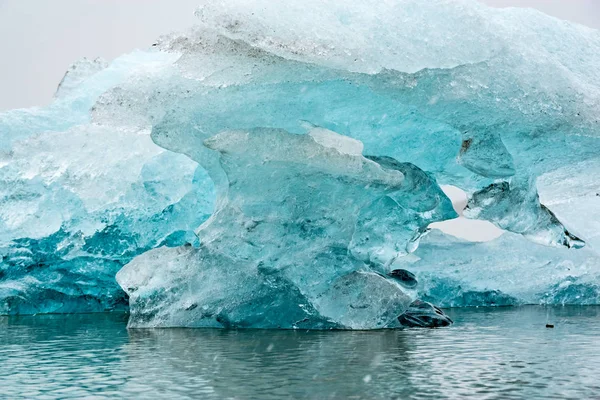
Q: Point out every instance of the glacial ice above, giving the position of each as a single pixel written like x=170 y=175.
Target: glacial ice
x=303 y=215
x=506 y=271
x=515 y=207
x=275 y=165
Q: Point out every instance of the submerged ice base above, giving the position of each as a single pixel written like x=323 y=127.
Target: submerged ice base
x=273 y=168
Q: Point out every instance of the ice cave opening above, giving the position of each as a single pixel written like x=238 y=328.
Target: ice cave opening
x=473 y=230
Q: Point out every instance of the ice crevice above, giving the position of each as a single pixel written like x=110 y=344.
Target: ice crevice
x=282 y=164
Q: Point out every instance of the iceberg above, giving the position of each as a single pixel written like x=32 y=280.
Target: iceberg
x=301 y=237
x=455 y=273
x=279 y=166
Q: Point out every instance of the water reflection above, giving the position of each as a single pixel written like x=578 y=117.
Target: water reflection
x=278 y=364
x=497 y=353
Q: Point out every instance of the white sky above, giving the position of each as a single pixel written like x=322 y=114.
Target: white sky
x=39 y=39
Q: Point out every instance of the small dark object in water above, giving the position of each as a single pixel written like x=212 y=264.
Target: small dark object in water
x=549 y=326
x=421 y=314
x=406 y=278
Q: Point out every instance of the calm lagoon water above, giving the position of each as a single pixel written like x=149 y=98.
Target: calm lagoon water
x=497 y=353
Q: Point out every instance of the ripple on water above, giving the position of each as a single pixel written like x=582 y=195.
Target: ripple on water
x=488 y=353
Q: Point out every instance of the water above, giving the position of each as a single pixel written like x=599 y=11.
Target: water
x=498 y=353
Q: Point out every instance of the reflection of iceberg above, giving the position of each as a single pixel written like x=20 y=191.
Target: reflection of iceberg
x=487 y=100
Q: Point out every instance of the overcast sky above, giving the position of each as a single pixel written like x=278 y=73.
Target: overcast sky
x=40 y=38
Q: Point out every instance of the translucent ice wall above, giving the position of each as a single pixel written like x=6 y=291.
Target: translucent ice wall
x=135 y=155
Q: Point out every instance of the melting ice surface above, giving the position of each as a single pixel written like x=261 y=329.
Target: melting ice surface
x=278 y=165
